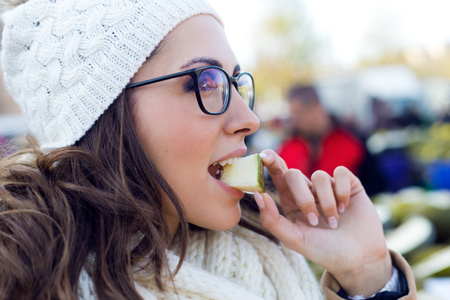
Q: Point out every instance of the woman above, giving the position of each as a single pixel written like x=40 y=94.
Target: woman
x=131 y=106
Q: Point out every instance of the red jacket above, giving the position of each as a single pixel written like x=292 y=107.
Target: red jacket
x=338 y=148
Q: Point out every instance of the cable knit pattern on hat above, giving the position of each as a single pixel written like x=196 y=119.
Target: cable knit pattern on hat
x=66 y=61
x=238 y=264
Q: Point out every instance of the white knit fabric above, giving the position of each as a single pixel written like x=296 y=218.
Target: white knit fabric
x=65 y=61
x=238 y=264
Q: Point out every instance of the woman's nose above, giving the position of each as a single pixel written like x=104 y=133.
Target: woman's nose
x=240 y=118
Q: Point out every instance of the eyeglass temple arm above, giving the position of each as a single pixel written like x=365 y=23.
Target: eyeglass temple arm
x=155 y=80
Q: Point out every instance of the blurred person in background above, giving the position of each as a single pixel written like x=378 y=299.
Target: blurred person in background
x=317 y=141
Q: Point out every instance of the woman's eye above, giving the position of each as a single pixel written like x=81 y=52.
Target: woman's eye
x=207 y=83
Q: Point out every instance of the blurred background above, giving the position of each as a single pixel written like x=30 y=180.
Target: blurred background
x=381 y=70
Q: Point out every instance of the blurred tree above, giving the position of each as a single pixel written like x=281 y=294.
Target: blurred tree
x=384 y=45
x=433 y=62
x=286 y=49
x=425 y=62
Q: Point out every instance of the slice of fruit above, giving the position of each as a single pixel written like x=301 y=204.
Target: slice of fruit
x=245 y=174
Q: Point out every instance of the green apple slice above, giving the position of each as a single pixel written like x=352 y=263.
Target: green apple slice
x=245 y=174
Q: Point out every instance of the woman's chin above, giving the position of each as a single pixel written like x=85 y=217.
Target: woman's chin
x=223 y=222
x=227 y=226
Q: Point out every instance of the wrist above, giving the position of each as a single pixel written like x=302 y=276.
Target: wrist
x=367 y=279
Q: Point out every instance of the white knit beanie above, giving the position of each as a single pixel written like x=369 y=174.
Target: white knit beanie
x=66 y=61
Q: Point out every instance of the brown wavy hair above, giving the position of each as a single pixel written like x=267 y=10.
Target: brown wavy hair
x=83 y=207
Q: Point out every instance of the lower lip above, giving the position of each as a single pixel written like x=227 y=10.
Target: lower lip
x=235 y=192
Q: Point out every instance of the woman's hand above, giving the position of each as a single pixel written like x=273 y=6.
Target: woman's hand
x=331 y=221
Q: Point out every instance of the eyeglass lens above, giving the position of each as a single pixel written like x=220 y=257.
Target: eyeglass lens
x=245 y=89
x=214 y=89
x=213 y=86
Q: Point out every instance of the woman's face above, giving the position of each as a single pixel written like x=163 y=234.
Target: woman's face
x=183 y=141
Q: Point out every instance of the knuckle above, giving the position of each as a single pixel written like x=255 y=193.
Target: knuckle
x=268 y=222
x=320 y=177
x=294 y=242
x=270 y=152
x=341 y=171
x=307 y=202
x=340 y=194
x=290 y=244
x=293 y=175
x=328 y=209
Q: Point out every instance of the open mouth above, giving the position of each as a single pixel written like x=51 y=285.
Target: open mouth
x=216 y=168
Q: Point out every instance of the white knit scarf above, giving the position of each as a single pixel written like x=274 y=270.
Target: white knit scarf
x=237 y=264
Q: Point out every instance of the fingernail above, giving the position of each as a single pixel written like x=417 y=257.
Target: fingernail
x=259 y=200
x=263 y=155
x=341 y=207
x=312 y=219
x=332 y=222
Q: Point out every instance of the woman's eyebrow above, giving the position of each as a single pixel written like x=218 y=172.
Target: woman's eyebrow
x=209 y=61
x=205 y=60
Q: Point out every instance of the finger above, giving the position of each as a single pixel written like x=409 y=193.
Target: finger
x=276 y=167
x=303 y=197
x=342 y=187
x=278 y=225
x=323 y=186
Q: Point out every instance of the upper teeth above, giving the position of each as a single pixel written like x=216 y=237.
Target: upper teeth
x=226 y=161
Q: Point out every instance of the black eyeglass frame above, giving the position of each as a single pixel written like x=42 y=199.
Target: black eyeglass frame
x=195 y=73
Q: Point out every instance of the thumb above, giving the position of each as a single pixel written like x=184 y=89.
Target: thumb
x=288 y=233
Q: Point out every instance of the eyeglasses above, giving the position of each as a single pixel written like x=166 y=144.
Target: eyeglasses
x=212 y=86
